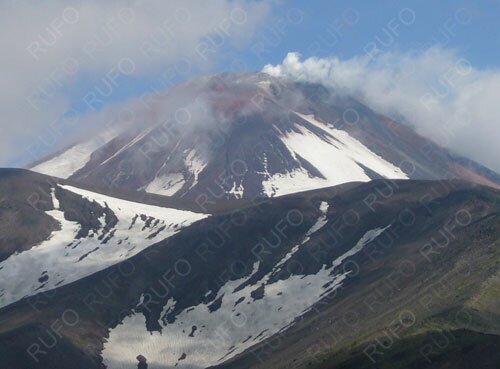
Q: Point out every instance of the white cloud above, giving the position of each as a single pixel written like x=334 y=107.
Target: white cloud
x=48 y=47
x=438 y=92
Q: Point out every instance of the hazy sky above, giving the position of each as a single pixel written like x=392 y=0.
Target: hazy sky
x=434 y=63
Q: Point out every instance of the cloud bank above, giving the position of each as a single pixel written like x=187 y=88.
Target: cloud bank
x=442 y=95
x=52 y=48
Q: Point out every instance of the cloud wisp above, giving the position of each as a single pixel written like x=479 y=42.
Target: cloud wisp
x=442 y=95
x=63 y=45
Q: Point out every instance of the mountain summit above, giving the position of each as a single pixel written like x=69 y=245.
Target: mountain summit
x=252 y=135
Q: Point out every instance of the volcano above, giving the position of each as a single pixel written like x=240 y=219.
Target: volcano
x=246 y=221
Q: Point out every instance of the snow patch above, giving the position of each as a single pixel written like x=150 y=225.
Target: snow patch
x=73 y=159
x=195 y=165
x=166 y=185
x=291 y=182
x=320 y=223
x=55 y=201
x=335 y=154
x=66 y=259
x=229 y=330
x=237 y=190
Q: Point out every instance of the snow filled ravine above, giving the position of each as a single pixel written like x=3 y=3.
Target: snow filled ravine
x=199 y=338
x=64 y=258
x=339 y=158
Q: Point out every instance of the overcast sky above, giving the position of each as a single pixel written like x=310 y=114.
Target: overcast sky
x=66 y=63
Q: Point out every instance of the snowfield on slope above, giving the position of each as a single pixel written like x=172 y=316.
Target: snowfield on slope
x=63 y=258
x=199 y=338
x=171 y=183
x=76 y=157
x=166 y=185
x=336 y=155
